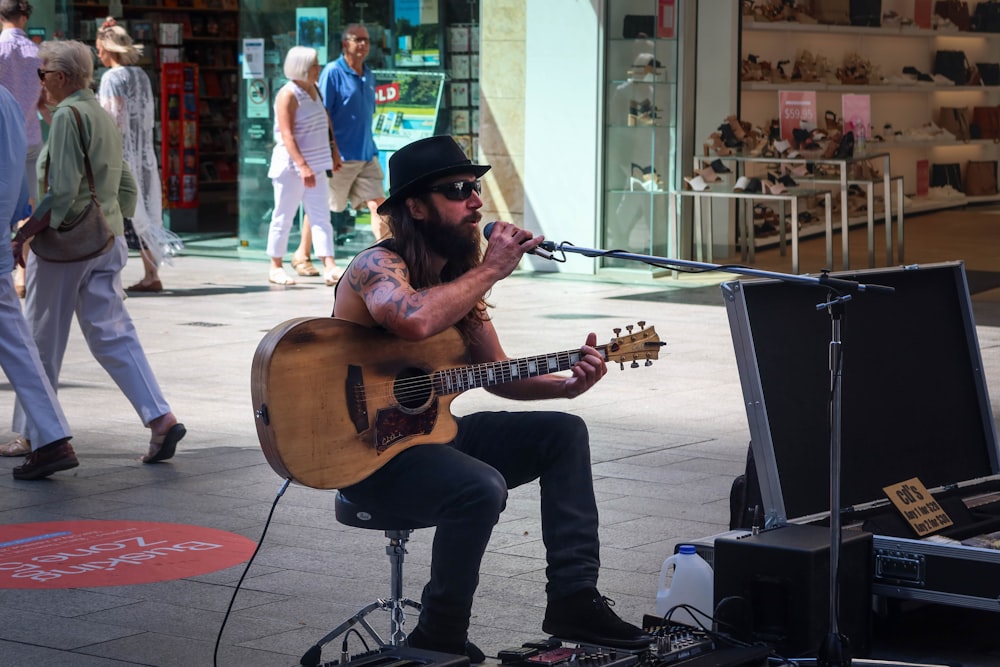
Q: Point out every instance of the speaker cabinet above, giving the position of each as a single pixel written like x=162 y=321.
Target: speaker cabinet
x=784 y=573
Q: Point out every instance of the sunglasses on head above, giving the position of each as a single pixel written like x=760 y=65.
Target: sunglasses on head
x=459 y=190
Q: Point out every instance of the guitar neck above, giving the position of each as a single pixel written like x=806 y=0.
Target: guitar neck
x=491 y=373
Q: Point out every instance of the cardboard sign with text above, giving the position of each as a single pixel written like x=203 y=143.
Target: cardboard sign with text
x=915 y=503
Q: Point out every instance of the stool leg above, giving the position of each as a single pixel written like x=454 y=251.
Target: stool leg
x=396 y=552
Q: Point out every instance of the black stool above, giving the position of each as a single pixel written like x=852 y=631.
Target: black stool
x=398 y=531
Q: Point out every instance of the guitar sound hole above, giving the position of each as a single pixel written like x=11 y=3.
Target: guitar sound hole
x=412 y=389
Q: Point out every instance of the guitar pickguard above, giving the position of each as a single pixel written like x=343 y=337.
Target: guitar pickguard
x=392 y=425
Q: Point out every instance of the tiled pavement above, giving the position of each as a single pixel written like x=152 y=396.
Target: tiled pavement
x=667 y=443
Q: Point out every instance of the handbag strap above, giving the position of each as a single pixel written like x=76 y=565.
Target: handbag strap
x=86 y=158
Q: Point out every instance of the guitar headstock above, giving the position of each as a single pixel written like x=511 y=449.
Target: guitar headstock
x=634 y=345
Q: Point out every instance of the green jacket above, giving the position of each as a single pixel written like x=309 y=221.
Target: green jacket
x=67 y=193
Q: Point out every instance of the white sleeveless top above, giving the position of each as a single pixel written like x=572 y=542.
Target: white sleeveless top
x=309 y=127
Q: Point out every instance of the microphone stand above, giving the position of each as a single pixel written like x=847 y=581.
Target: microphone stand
x=835 y=650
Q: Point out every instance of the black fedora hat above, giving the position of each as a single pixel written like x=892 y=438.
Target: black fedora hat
x=423 y=161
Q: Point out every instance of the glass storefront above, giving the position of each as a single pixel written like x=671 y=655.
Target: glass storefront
x=424 y=56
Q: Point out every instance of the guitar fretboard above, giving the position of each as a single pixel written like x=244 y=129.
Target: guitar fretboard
x=463 y=378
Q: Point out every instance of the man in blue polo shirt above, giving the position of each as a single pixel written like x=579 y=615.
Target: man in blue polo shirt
x=348 y=89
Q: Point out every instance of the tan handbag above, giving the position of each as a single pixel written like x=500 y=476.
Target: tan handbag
x=956 y=121
x=84 y=237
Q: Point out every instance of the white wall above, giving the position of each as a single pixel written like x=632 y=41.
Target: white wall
x=562 y=101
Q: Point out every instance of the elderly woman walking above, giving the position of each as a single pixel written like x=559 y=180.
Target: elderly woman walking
x=90 y=288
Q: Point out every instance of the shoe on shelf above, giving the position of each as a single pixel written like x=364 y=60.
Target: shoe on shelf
x=46 y=460
x=696 y=183
x=719 y=167
x=304 y=267
x=747 y=184
x=417 y=639
x=155 y=286
x=16 y=447
x=333 y=276
x=278 y=276
x=586 y=616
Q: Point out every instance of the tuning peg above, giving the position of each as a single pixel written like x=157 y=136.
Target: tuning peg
x=618 y=331
x=629 y=328
x=622 y=365
x=642 y=324
x=635 y=364
x=649 y=362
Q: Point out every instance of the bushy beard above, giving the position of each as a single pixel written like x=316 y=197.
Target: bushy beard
x=456 y=243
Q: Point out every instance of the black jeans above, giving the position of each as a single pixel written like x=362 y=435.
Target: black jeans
x=462 y=488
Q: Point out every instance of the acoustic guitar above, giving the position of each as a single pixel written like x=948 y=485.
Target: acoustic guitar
x=334 y=401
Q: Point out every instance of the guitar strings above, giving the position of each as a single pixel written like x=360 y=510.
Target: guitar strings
x=434 y=382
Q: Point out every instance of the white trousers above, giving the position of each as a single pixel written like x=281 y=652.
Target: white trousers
x=92 y=290
x=19 y=359
x=289 y=192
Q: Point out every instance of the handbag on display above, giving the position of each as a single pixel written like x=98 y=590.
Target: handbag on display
x=956 y=121
x=85 y=236
x=947 y=174
x=989 y=72
x=638 y=25
x=987 y=16
x=955 y=11
x=952 y=64
x=866 y=12
x=833 y=12
x=981 y=178
x=987 y=119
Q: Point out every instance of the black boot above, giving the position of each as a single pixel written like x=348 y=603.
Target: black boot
x=586 y=616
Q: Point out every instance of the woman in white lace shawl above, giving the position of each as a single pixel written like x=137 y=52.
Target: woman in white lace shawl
x=125 y=92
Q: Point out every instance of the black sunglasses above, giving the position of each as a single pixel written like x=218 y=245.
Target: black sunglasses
x=43 y=72
x=459 y=190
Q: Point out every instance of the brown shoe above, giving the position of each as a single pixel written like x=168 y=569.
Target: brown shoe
x=46 y=460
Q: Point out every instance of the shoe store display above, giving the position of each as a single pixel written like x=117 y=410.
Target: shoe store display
x=586 y=616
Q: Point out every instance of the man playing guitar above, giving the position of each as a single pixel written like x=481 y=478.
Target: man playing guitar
x=430 y=276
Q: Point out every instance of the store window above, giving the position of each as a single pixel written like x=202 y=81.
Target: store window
x=640 y=125
x=419 y=50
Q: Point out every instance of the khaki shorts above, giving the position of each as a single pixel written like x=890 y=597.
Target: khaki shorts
x=357 y=182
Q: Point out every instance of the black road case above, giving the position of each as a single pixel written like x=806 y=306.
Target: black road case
x=915 y=404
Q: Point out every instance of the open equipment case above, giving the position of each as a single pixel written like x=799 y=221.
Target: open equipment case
x=915 y=405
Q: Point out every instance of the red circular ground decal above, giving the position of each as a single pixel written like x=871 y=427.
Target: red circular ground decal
x=81 y=554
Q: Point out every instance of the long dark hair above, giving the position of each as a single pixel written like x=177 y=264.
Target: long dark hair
x=410 y=243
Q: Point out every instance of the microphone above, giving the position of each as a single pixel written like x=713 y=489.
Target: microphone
x=544 y=250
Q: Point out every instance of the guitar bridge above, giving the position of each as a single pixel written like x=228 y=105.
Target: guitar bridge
x=354 y=394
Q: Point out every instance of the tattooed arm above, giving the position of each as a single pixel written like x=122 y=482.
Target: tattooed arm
x=379 y=294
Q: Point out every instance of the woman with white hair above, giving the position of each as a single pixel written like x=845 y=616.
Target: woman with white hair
x=91 y=288
x=125 y=92
x=304 y=151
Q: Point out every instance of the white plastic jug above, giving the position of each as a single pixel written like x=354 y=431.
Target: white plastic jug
x=692 y=584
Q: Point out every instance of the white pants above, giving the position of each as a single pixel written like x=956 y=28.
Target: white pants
x=91 y=289
x=19 y=359
x=289 y=192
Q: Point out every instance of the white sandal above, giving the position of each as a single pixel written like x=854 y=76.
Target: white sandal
x=333 y=276
x=279 y=277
